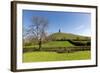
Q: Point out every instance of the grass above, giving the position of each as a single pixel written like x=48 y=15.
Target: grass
x=61 y=35
x=57 y=44
x=53 y=56
x=52 y=44
x=41 y=56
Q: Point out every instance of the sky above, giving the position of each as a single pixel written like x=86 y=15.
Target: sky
x=68 y=22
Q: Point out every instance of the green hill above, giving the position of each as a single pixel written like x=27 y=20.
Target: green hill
x=62 y=36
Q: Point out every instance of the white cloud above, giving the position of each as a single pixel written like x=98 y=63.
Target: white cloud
x=82 y=30
x=79 y=27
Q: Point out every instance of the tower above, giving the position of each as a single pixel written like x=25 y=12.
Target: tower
x=59 y=29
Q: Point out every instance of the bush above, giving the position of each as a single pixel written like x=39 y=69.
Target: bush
x=80 y=43
x=88 y=43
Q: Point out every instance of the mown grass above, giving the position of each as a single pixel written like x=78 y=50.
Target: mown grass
x=57 y=44
x=61 y=35
x=52 y=44
x=53 y=56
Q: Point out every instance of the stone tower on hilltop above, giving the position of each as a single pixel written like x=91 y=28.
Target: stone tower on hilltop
x=59 y=29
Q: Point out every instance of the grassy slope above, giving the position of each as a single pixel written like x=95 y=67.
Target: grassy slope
x=57 y=44
x=53 y=56
x=66 y=36
x=53 y=44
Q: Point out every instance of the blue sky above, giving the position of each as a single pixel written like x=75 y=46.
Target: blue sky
x=68 y=22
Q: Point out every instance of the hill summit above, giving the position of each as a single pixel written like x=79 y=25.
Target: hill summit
x=62 y=36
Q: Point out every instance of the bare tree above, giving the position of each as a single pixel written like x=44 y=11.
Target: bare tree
x=37 y=29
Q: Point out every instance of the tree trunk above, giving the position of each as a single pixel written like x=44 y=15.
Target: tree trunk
x=40 y=44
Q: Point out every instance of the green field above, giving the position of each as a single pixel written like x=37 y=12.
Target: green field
x=61 y=35
x=57 y=44
x=52 y=44
x=42 y=56
x=53 y=56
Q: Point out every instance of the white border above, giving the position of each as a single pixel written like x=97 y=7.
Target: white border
x=21 y=65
